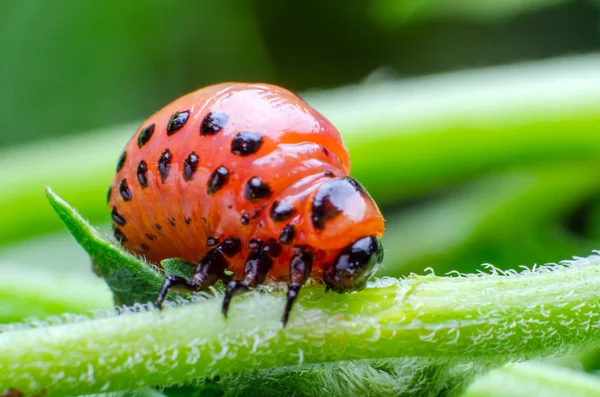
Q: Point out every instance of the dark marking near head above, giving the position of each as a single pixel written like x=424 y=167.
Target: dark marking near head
x=255 y=244
x=142 y=174
x=328 y=174
x=230 y=246
x=325 y=150
x=190 y=165
x=109 y=194
x=124 y=190
x=187 y=220
x=354 y=265
x=245 y=219
x=145 y=135
x=117 y=217
x=164 y=165
x=287 y=234
x=150 y=236
x=330 y=200
x=246 y=143
x=213 y=122
x=171 y=221
x=229 y=206
x=281 y=211
x=177 y=121
x=272 y=248
x=204 y=220
x=218 y=179
x=255 y=189
x=121 y=161
x=212 y=241
x=255 y=214
x=119 y=235
x=158 y=226
x=145 y=247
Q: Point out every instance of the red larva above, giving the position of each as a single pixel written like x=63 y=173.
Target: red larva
x=246 y=178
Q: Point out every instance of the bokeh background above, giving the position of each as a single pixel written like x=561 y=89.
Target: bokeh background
x=474 y=124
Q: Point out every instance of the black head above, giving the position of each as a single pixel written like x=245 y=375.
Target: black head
x=354 y=265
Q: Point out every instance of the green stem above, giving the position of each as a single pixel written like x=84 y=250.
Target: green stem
x=534 y=379
x=495 y=318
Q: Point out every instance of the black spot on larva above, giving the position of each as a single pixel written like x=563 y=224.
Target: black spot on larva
x=164 y=165
x=218 y=179
x=287 y=234
x=229 y=206
x=255 y=244
x=281 y=211
x=255 y=189
x=177 y=121
x=328 y=174
x=187 y=220
x=213 y=122
x=142 y=174
x=117 y=217
x=124 y=190
x=245 y=219
x=272 y=248
x=212 y=241
x=256 y=214
x=204 y=220
x=150 y=236
x=172 y=221
x=246 y=143
x=230 y=246
x=121 y=161
x=145 y=135
x=158 y=226
x=144 y=247
x=119 y=235
x=325 y=151
x=330 y=200
x=190 y=165
x=108 y=194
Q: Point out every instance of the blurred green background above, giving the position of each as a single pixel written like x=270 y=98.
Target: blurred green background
x=474 y=124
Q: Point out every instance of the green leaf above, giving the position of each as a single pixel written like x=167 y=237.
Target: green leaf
x=130 y=278
x=178 y=267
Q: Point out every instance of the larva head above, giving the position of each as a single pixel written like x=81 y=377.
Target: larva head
x=345 y=218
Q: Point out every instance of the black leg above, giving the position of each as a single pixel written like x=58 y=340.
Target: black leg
x=300 y=268
x=210 y=270
x=256 y=269
x=232 y=287
x=172 y=281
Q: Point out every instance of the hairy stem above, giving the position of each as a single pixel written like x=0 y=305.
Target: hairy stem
x=534 y=379
x=493 y=317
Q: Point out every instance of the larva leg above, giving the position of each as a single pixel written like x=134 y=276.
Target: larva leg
x=257 y=267
x=300 y=268
x=170 y=282
x=210 y=270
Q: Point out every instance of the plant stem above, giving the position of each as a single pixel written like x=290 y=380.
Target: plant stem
x=534 y=379
x=493 y=317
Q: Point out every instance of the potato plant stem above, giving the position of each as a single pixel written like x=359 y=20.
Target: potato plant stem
x=491 y=317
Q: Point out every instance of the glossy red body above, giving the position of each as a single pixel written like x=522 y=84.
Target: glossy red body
x=177 y=216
